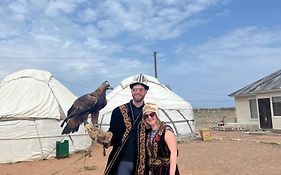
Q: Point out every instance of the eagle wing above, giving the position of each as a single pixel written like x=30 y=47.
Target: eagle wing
x=78 y=113
x=101 y=103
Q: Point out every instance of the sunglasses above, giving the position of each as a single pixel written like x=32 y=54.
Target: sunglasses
x=145 y=116
x=138 y=89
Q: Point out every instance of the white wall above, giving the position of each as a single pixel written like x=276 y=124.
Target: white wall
x=243 y=114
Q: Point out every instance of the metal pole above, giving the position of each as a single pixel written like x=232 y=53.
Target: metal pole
x=155 y=64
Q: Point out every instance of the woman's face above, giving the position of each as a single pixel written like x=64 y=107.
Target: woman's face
x=150 y=118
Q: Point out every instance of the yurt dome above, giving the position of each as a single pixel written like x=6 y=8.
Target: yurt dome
x=174 y=110
x=32 y=106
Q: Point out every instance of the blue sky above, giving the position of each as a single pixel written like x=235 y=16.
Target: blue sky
x=206 y=49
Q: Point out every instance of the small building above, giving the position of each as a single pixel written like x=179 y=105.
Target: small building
x=260 y=102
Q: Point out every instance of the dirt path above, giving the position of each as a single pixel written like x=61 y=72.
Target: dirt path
x=230 y=153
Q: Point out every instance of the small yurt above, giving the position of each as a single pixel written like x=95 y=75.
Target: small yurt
x=32 y=106
x=173 y=110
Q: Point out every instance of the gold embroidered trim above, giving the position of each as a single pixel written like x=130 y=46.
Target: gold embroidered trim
x=124 y=112
x=127 y=122
x=159 y=162
x=141 y=165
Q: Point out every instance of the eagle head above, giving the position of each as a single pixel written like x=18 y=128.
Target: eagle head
x=107 y=86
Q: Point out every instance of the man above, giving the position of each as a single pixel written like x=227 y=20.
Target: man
x=128 y=133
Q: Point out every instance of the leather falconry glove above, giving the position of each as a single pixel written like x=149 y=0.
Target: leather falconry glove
x=104 y=138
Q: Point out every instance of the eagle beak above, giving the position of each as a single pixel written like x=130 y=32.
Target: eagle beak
x=109 y=87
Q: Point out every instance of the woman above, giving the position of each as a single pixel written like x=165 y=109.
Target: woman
x=161 y=143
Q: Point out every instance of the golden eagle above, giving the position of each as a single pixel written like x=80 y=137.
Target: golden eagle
x=88 y=104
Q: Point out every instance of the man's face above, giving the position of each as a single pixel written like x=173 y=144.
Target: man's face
x=138 y=92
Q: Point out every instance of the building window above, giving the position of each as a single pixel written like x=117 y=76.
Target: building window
x=253 y=108
x=276 y=103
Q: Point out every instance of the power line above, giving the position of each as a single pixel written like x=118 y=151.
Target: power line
x=77 y=84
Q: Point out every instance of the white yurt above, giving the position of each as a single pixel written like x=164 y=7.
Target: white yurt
x=173 y=110
x=32 y=106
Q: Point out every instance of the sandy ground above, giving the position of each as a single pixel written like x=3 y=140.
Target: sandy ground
x=230 y=153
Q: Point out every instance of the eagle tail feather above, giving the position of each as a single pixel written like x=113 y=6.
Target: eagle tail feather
x=63 y=123
x=68 y=130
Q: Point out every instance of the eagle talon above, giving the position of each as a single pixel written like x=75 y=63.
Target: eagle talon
x=88 y=127
x=92 y=131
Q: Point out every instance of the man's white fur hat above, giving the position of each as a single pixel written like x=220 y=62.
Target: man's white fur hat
x=139 y=79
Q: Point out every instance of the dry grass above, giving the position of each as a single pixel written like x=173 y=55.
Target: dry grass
x=206 y=118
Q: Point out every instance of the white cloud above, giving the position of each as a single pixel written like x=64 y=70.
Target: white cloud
x=108 y=29
x=242 y=52
x=55 y=8
x=66 y=44
x=249 y=41
x=88 y=15
x=149 y=19
x=140 y=48
x=45 y=37
x=18 y=8
x=54 y=32
x=145 y=19
x=94 y=43
x=85 y=41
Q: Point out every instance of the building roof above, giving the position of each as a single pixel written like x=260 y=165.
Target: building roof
x=269 y=83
